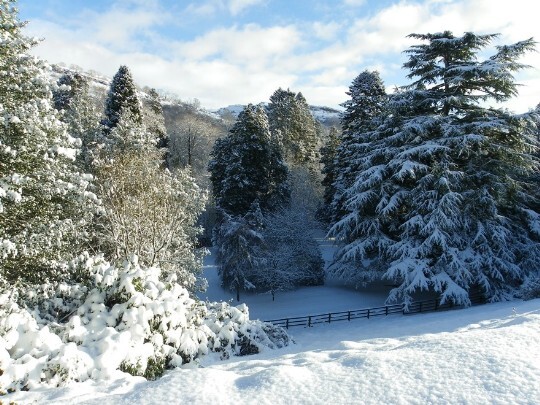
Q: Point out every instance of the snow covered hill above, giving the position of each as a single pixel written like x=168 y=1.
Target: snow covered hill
x=488 y=354
x=325 y=115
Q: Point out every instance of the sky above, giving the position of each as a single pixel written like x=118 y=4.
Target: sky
x=224 y=52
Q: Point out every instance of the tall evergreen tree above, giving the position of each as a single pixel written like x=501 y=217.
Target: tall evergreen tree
x=441 y=200
x=292 y=124
x=45 y=205
x=367 y=101
x=124 y=126
x=247 y=167
x=122 y=100
x=330 y=172
x=240 y=249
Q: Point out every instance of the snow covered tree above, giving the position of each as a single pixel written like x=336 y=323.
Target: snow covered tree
x=45 y=202
x=240 y=247
x=291 y=255
x=247 y=167
x=152 y=213
x=122 y=99
x=73 y=100
x=154 y=120
x=191 y=142
x=292 y=124
x=442 y=200
x=329 y=171
x=368 y=99
x=124 y=126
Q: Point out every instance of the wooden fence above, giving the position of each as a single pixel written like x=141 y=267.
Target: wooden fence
x=414 y=308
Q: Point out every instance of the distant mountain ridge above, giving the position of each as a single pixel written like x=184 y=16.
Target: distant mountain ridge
x=99 y=85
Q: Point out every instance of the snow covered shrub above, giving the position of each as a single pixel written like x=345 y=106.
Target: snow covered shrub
x=121 y=319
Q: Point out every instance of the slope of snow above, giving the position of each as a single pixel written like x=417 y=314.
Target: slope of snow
x=488 y=354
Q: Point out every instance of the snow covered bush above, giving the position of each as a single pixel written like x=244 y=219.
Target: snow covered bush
x=121 y=319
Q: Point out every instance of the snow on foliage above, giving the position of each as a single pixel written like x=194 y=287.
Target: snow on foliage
x=120 y=319
x=46 y=204
x=442 y=196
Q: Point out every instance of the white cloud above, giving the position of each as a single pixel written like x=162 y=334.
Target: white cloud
x=326 y=31
x=246 y=63
x=250 y=44
x=237 y=6
x=210 y=7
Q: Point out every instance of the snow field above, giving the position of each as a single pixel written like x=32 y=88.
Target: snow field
x=481 y=355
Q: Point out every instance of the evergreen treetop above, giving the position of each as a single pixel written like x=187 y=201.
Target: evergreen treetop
x=122 y=99
x=247 y=167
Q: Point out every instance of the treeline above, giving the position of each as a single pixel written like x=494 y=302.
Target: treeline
x=430 y=187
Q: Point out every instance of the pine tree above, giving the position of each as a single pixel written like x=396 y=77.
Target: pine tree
x=122 y=100
x=292 y=124
x=368 y=99
x=441 y=199
x=247 y=167
x=240 y=249
x=45 y=205
x=124 y=126
x=330 y=172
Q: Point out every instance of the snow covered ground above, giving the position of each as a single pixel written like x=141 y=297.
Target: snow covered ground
x=331 y=297
x=488 y=354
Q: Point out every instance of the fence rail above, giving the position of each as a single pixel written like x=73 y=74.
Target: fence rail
x=414 y=308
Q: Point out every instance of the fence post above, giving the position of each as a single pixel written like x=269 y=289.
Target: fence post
x=368 y=313
x=309 y=322
x=386 y=310
x=329 y=317
x=287 y=323
x=349 y=316
x=436 y=304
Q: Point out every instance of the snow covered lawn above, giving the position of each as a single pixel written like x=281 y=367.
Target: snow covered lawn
x=334 y=296
x=488 y=354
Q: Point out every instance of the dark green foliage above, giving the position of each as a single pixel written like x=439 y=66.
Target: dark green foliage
x=122 y=100
x=45 y=207
x=367 y=103
x=247 y=167
x=292 y=124
x=330 y=172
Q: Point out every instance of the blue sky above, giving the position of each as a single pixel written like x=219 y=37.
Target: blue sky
x=239 y=51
